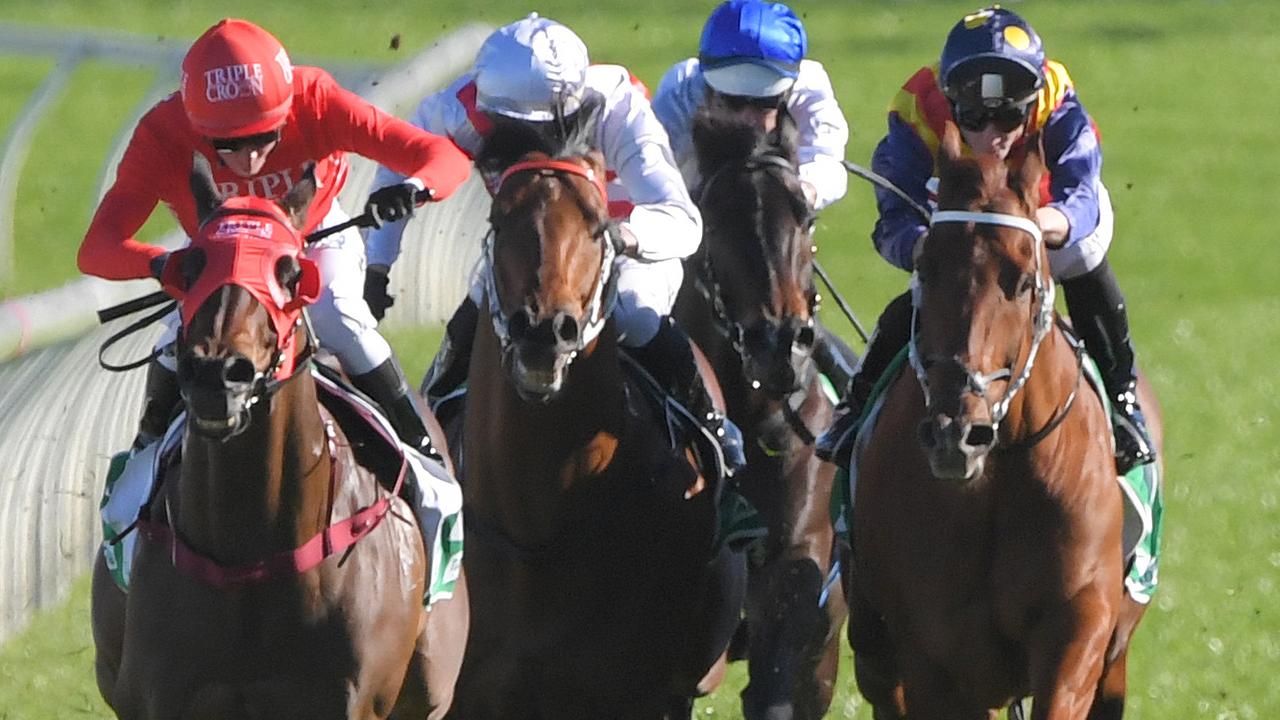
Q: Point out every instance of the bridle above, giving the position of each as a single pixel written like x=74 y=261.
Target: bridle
x=976 y=382
x=603 y=296
x=707 y=284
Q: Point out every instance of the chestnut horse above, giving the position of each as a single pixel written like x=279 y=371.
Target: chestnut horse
x=274 y=576
x=749 y=301
x=987 y=514
x=590 y=542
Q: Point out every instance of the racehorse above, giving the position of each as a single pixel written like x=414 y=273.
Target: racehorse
x=749 y=301
x=590 y=541
x=274 y=575
x=987 y=514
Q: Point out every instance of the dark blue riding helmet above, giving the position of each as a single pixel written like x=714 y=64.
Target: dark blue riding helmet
x=752 y=48
x=992 y=56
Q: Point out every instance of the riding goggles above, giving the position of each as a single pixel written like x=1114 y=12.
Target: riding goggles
x=1006 y=117
x=737 y=103
x=229 y=146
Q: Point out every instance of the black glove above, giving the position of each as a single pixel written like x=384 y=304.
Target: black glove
x=375 y=291
x=624 y=243
x=392 y=203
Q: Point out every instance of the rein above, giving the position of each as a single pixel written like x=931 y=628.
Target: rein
x=1043 y=323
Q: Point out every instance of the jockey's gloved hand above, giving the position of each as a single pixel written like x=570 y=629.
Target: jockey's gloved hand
x=396 y=202
x=623 y=240
x=375 y=290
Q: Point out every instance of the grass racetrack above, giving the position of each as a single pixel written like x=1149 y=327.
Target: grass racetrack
x=1185 y=95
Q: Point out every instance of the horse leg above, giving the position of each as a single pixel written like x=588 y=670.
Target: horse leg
x=107 y=611
x=437 y=658
x=1108 y=701
x=875 y=665
x=1067 y=653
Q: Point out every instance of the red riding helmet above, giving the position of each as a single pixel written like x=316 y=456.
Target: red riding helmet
x=236 y=81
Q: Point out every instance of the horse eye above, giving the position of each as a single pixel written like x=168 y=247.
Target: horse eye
x=1027 y=282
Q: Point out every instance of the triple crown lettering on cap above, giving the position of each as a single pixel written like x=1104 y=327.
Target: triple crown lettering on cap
x=233 y=81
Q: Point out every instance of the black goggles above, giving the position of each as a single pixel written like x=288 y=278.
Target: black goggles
x=249 y=142
x=742 y=102
x=1006 y=117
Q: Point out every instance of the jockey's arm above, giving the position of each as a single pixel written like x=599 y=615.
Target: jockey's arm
x=1074 y=160
x=664 y=221
x=109 y=249
x=904 y=159
x=679 y=96
x=382 y=245
x=359 y=126
x=823 y=134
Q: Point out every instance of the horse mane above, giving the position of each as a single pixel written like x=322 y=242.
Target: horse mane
x=722 y=140
x=560 y=137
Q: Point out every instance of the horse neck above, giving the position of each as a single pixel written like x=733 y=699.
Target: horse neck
x=521 y=456
x=266 y=488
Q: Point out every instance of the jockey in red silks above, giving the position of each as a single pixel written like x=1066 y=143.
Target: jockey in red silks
x=534 y=73
x=261 y=121
x=994 y=83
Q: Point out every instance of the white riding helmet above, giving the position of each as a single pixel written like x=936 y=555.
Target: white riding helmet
x=526 y=69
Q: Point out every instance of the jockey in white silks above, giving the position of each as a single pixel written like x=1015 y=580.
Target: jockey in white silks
x=535 y=72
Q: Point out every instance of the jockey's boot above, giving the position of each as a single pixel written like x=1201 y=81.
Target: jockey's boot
x=1099 y=315
x=668 y=357
x=893 y=331
x=829 y=355
x=160 y=405
x=386 y=385
x=449 y=368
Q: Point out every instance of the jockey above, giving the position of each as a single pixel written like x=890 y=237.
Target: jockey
x=530 y=73
x=994 y=82
x=261 y=122
x=751 y=66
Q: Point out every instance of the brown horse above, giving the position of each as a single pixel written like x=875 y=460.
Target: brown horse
x=591 y=542
x=750 y=303
x=274 y=576
x=987 y=514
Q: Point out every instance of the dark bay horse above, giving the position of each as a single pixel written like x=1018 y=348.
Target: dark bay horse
x=987 y=514
x=274 y=576
x=595 y=578
x=749 y=301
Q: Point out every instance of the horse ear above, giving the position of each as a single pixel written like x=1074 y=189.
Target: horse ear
x=951 y=143
x=299 y=197
x=203 y=188
x=1026 y=181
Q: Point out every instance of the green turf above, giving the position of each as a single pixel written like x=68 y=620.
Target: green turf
x=1185 y=94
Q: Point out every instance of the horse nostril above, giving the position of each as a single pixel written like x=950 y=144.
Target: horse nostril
x=565 y=327
x=980 y=435
x=238 y=369
x=520 y=323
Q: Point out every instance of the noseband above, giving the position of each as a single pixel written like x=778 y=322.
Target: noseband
x=605 y=293
x=977 y=382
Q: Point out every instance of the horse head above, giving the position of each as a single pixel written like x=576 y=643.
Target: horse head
x=984 y=301
x=243 y=283
x=549 y=266
x=757 y=254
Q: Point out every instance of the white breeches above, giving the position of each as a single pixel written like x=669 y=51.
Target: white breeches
x=1080 y=257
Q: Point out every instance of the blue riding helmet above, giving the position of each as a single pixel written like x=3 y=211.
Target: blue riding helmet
x=752 y=48
x=992 y=57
